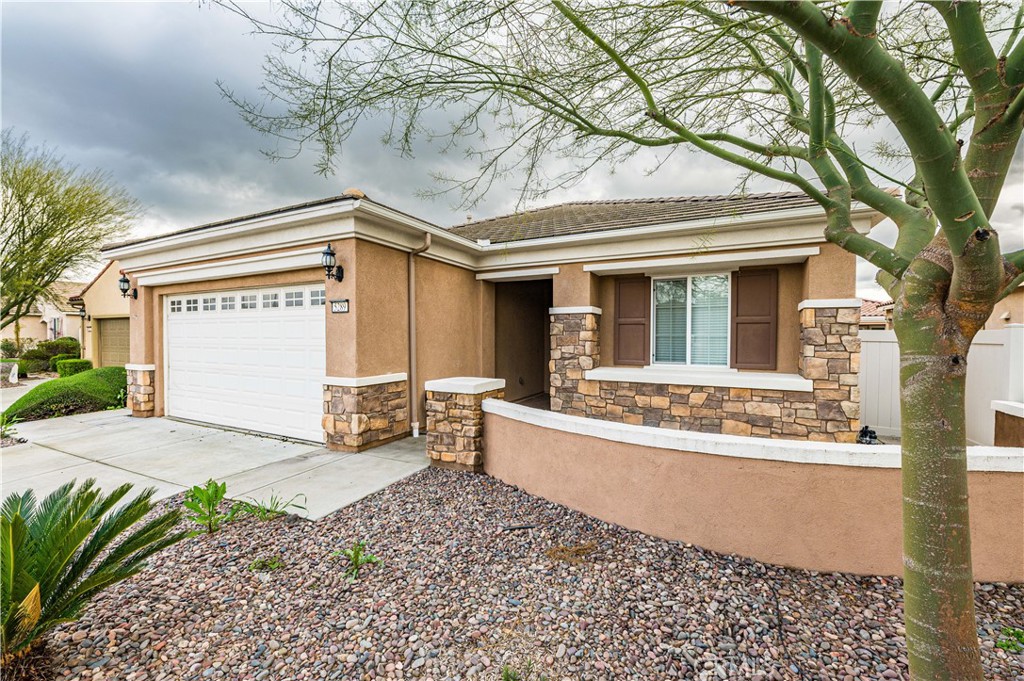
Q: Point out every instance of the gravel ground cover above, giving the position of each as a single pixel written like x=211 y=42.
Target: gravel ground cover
x=466 y=586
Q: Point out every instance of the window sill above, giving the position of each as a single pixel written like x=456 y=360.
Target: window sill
x=702 y=376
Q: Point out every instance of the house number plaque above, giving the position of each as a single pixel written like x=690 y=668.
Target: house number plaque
x=339 y=306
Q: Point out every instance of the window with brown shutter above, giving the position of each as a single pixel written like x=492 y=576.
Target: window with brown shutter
x=633 y=320
x=754 y=318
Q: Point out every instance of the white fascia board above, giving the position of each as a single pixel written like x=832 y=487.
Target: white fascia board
x=779 y=256
x=234 y=230
x=993 y=459
x=360 y=381
x=701 y=376
x=818 y=303
x=519 y=275
x=464 y=385
x=261 y=264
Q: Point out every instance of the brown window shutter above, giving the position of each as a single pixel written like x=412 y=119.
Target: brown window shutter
x=633 y=320
x=755 y=312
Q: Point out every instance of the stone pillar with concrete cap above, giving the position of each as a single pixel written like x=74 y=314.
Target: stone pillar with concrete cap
x=455 y=420
x=141 y=389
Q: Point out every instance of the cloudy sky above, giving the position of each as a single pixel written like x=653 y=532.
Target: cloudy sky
x=130 y=87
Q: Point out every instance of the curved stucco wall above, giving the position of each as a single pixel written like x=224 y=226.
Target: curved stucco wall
x=815 y=516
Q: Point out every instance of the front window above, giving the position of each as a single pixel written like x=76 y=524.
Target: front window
x=691 y=320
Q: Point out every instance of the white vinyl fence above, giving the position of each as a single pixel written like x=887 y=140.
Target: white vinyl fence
x=995 y=371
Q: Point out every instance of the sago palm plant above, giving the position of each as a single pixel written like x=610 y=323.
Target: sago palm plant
x=56 y=555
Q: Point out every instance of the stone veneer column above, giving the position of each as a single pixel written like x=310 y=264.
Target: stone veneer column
x=830 y=358
x=455 y=420
x=141 y=382
x=575 y=348
x=365 y=415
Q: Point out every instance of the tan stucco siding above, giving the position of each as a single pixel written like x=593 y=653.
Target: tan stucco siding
x=102 y=300
x=32 y=328
x=816 y=517
x=830 y=274
x=572 y=287
x=1013 y=305
x=382 y=323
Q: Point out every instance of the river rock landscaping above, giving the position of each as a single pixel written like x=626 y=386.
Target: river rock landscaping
x=476 y=574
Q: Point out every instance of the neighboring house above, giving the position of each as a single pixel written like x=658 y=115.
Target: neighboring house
x=105 y=337
x=50 y=319
x=873 y=314
x=710 y=313
x=1009 y=310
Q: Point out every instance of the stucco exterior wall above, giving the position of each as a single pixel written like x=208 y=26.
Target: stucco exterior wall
x=1013 y=305
x=32 y=328
x=381 y=294
x=572 y=287
x=102 y=300
x=454 y=324
x=830 y=274
x=810 y=516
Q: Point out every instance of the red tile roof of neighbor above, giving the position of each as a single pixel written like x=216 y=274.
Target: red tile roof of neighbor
x=581 y=217
x=874 y=308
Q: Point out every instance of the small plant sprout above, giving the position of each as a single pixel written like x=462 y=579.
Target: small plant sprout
x=7 y=428
x=274 y=507
x=1011 y=639
x=510 y=673
x=357 y=558
x=266 y=564
x=204 y=503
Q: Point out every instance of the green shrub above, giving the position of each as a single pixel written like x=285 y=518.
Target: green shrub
x=65 y=345
x=92 y=390
x=60 y=358
x=70 y=367
x=8 y=348
x=36 y=354
x=32 y=366
x=59 y=554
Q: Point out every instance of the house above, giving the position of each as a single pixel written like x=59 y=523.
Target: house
x=105 y=333
x=51 y=317
x=876 y=314
x=721 y=314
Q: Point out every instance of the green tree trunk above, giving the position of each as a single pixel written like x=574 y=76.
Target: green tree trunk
x=942 y=636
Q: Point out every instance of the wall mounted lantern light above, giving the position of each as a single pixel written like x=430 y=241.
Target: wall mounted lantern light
x=330 y=262
x=126 y=287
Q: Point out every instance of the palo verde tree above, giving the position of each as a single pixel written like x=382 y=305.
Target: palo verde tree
x=53 y=221
x=782 y=90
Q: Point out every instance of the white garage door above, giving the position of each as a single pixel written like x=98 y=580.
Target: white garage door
x=251 y=359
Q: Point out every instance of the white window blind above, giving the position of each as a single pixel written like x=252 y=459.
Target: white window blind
x=691 y=320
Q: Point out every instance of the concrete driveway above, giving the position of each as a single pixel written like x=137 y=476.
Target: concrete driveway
x=171 y=456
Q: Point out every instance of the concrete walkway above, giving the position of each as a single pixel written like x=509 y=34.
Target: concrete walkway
x=9 y=396
x=171 y=455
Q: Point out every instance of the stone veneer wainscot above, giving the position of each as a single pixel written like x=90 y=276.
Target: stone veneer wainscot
x=830 y=359
x=366 y=414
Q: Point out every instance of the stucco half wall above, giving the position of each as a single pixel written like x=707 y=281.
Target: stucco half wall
x=783 y=502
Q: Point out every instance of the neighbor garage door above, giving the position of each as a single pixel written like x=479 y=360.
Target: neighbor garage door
x=113 y=342
x=251 y=359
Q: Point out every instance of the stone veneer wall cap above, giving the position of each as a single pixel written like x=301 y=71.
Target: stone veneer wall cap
x=583 y=309
x=140 y=367
x=715 y=378
x=829 y=302
x=360 y=381
x=465 y=385
x=1007 y=407
x=990 y=459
